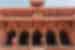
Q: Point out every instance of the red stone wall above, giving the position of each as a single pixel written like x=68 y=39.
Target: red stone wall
x=53 y=19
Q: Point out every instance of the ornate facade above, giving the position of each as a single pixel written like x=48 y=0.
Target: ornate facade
x=54 y=28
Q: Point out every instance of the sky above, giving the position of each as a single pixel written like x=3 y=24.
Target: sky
x=59 y=3
x=14 y=3
x=26 y=3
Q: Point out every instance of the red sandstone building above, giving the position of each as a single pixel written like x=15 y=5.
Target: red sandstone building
x=54 y=26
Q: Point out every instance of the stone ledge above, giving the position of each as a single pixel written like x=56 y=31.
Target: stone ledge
x=36 y=18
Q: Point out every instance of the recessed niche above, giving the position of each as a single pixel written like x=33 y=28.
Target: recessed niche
x=10 y=36
x=51 y=38
x=64 y=38
x=24 y=38
x=36 y=38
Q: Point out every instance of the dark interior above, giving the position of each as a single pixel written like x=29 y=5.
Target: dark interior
x=24 y=38
x=64 y=38
x=36 y=38
x=10 y=35
x=50 y=38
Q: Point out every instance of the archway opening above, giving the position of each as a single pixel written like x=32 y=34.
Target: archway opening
x=24 y=38
x=51 y=38
x=36 y=38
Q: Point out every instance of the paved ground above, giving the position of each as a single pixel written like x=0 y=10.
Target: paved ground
x=37 y=49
